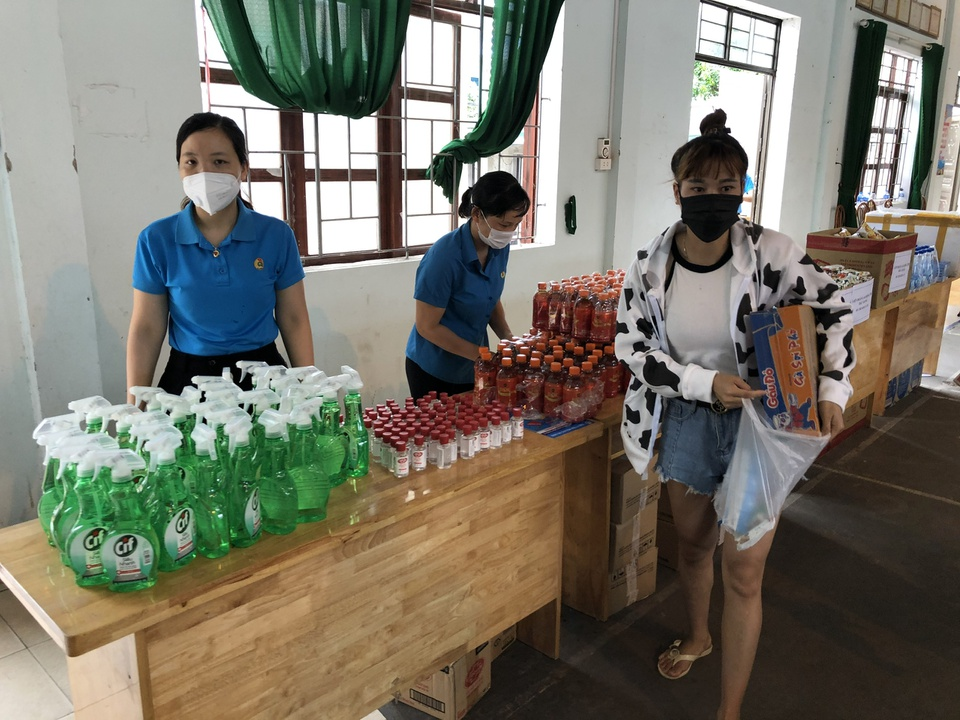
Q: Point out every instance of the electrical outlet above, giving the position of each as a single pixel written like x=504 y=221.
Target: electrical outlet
x=603 y=164
x=603 y=148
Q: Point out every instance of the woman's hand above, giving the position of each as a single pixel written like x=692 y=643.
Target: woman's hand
x=730 y=390
x=831 y=417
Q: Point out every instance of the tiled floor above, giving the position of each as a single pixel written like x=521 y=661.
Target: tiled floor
x=33 y=670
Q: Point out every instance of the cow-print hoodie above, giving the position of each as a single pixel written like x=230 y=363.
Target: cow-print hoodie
x=787 y=276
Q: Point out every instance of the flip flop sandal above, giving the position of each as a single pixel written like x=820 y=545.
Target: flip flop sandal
x=674 y=656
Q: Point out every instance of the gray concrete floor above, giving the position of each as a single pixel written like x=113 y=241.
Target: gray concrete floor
x=861 y=598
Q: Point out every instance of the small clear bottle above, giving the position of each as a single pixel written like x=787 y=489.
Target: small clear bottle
x=496 y=435
x=419 y=459
x=506 y=428
x=517 y=423
x=484 y=434
x=467 y=449
x=376 y=440
x=443 y=452
x=433 y=447
x=402 y=463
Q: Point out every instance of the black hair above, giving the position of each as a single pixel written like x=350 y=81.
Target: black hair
x=494 y=194
x=715 y=147
x=208 y=121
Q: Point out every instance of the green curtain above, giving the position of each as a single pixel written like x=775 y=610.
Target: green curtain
x=522 y=31
x=863 y=95
x=325 y=56
x=931 y=62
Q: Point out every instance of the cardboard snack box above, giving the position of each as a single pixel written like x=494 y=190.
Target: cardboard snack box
x=889 y=261
x=785 y=340
x=448 y=693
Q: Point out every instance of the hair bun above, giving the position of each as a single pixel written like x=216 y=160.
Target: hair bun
x=715 y=123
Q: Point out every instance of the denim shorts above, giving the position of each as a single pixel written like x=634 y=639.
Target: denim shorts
x=696 y=444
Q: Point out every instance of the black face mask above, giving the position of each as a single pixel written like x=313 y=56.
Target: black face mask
x=710 y=216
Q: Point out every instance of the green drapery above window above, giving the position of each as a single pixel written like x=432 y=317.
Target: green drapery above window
x=931 y=63
x=522 y=31
x=337 y=57
x=863 y=95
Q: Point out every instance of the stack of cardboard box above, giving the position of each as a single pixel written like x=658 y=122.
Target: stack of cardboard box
x=633 y=534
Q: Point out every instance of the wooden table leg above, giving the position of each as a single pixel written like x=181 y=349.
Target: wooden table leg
x=111 y=681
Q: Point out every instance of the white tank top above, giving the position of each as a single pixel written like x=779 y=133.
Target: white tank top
x=697 y=314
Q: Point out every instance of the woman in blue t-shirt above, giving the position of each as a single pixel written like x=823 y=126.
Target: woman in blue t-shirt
x=458 y=287
x=224 y=280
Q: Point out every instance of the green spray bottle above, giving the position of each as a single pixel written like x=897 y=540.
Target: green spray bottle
x=278 y=492
x=358 y=439
x=84 y=545
x=173 y=518
x=244 y=485
x=313 y=486
x=145 y=482
x=89 y=407
x=129 y=551
x=183 y=419
x=247 y=367
x=146 y=396
x=331 y=442
x=261 y=399
x=214 y=413
x=124 y=416
x=210 y=496
x=47 y=433
x=69 y=453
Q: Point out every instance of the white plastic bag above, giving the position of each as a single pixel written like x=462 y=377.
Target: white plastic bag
x=765 y=467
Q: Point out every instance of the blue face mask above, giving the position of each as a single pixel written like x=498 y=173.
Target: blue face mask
x=710 y=216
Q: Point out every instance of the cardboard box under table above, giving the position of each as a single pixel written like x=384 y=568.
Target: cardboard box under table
x=889 y=261
x=630 y=491
x=448 y=693
x=633 y=537
x=634 y=581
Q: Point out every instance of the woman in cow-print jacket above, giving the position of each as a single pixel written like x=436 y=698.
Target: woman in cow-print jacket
x=681 y=330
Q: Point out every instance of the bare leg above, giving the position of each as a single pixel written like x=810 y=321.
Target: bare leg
x=742 y=618
x=696 y=524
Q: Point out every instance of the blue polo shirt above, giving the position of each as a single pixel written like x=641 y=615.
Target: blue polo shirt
x=221 y=300
x=450 y=277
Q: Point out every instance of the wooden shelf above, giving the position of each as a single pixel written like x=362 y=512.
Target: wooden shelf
x=895 y=338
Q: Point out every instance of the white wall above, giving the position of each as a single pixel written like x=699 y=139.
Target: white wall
x=113 y=79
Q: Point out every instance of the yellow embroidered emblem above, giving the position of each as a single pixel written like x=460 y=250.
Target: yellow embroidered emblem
x=258 y=263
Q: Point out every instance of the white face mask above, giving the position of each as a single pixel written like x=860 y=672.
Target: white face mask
x=211 y=191
x=497 y=239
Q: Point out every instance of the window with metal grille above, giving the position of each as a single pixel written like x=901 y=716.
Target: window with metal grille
x=882 y=176
x=738 y=38
x=355 y=190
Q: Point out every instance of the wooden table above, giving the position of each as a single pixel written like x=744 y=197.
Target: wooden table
x=330 y=621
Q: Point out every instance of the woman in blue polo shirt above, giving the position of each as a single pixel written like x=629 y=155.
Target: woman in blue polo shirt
x=224 y=279
x=458 y=287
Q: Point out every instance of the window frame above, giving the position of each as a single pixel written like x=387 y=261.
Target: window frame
x=725 y=59
x=296 y=173
x=889 y=92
